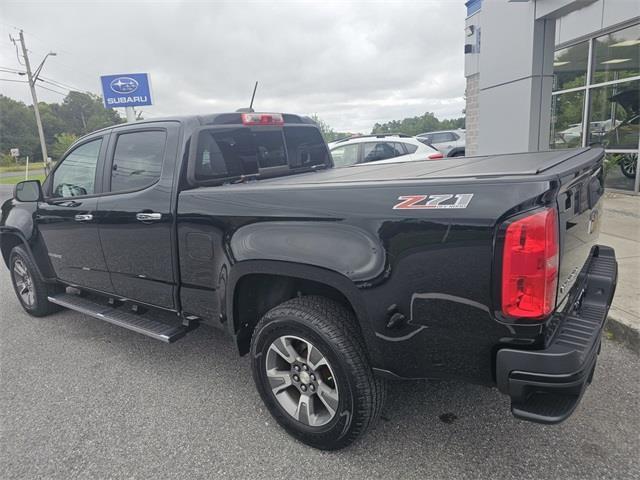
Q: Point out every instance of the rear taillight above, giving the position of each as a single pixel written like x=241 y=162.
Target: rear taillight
x=262 y=119
x=530 y=266
x=435 y=156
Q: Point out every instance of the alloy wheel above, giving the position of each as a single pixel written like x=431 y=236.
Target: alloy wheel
x=24 y=282
x=301 y=380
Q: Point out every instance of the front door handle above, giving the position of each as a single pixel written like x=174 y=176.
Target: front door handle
x=148 y=217
x=84 y=217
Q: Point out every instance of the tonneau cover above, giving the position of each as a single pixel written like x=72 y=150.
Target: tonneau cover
x=516 y=164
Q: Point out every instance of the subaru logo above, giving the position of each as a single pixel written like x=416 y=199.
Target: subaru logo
x=124 y=85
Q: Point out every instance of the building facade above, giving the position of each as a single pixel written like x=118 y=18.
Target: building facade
x=549 y=74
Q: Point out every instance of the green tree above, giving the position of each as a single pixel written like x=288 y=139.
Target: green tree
x=18 y=128
x=328 y=133
x=79 y=114
x=415 y=125
x=84 y=112
x=62 y=143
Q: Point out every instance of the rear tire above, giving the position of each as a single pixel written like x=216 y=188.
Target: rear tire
x=629 y=165
x=31 y=290
x=311 y=369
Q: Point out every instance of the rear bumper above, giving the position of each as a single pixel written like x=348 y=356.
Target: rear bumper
x=546 y=385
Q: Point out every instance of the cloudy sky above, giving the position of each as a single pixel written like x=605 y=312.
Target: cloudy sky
x=352 y=63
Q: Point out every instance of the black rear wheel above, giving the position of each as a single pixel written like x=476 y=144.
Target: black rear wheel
x=31 y=290
x=629 y=165
x=311 y=370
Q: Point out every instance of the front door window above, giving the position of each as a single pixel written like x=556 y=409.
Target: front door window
x=76 y=174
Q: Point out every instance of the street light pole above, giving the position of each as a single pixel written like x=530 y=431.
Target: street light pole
x=32 y=85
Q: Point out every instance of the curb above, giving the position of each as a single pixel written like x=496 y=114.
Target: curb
x=619 y=330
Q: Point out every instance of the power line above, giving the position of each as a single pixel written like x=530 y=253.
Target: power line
x=63 y=50
x=59 y=84
x=52 y=90
x=51 y=81
x=11 y=70
x=12 y=80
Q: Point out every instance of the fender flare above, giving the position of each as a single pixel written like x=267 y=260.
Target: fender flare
x=301 y=271
x=6 y=231
x=455 y=151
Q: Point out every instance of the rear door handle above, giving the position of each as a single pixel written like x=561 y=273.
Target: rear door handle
x=84 y=217
x=148 y=217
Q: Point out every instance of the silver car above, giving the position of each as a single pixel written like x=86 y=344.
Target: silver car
x=450 y=142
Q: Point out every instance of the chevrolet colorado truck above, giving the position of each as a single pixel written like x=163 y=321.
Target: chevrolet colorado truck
x=484 y=268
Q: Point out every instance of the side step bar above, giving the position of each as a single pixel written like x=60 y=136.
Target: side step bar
x=151 y=328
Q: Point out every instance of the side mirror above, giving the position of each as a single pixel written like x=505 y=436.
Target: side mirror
x=28 y=191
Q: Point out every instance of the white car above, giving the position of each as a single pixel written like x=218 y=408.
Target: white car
x=381 y=148
x=450 y=142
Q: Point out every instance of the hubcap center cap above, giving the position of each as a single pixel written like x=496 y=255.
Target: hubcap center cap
x=305 y=378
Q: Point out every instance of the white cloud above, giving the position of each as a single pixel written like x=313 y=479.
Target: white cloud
x=354 y=64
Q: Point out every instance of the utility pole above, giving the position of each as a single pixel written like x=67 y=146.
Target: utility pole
x=131 y=114
x=32 y=85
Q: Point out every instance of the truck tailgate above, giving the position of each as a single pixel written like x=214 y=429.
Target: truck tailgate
x=580 y=209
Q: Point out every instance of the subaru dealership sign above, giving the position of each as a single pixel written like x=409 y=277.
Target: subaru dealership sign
x=126 y=90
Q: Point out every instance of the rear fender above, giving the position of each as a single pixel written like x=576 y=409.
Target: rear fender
x=346 y=249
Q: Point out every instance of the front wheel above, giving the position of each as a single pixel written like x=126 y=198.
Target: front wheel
x=311 y=370
x=31 y=290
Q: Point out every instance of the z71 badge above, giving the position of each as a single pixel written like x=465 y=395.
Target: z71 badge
x=426 y=202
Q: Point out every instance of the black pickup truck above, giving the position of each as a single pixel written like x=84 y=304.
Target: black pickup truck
x=333 y=280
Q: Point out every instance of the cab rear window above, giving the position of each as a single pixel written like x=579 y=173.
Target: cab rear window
x=233 y=152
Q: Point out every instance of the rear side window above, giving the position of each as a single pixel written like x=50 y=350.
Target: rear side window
x=137 y=160
x=410 y=148
x=381 y=151
x=443 y=137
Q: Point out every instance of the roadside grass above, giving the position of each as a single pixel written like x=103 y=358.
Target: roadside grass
x=15 y=179
x=20 y=168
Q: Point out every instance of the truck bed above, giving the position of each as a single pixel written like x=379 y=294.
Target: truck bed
x=538 y=166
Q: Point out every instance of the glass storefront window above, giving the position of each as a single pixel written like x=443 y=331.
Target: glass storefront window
x=566 y=120
x=570 y=67
x=607 y=84
x=616 y=55
x=621 y=170
x=614 y=115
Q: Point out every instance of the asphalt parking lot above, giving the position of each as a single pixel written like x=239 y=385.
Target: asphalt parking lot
x=84 y=399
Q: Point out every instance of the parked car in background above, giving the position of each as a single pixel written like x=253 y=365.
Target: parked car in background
x=381 y=148
x=450 y=143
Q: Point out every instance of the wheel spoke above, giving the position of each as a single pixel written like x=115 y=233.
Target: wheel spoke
x=329 y=397
x=304 y=412
x=314 y=358
x=278 y=380
x=282 y=346
x=20 y=269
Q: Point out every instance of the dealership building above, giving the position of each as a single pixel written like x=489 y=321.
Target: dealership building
x=551 y=74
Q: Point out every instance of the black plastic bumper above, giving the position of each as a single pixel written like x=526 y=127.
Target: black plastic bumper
x=545 y=386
